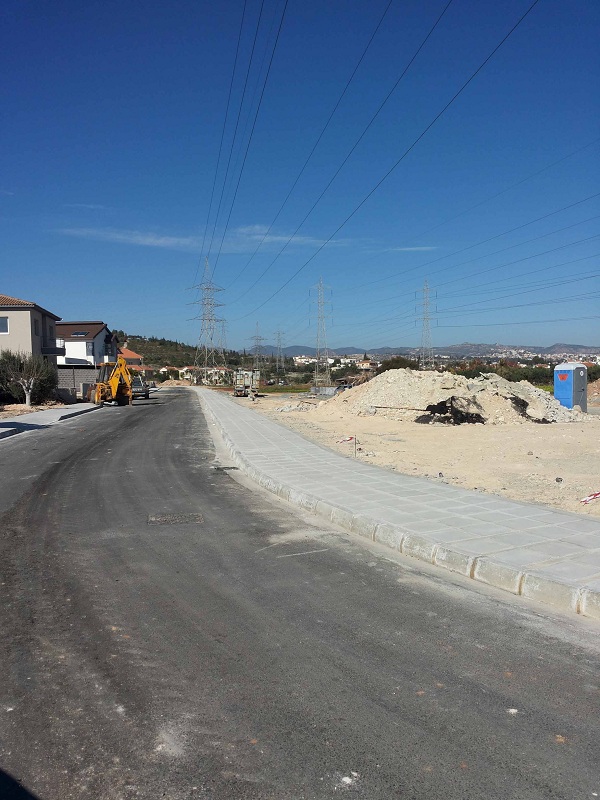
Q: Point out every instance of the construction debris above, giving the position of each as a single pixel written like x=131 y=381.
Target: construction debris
x=441 y=397
x=301 y=406
x=589 y=498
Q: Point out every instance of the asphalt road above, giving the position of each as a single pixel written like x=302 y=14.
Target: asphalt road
x=168 y=632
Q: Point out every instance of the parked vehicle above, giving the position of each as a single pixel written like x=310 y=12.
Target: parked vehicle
x=139 y=388
x=246 y=382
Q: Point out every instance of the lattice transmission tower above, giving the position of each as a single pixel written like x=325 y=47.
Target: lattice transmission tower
x=279 y=358
x=208 y=352
x=426 y=354
x=257 y=348
x=323 y=301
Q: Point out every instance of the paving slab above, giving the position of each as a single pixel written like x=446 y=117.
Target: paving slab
x=531 y=550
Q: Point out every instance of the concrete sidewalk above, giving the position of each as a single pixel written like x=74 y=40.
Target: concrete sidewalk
x=42 y=419
x=526 y=549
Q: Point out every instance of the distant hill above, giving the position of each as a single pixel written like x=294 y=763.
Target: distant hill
x=167 y=352
x=161 y=352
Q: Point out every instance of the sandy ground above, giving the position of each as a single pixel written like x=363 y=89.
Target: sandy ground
x=16 y=409
x=520 y=462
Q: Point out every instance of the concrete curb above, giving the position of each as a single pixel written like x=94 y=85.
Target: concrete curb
x=534 y=586
x=77 y=412
x=21 y=427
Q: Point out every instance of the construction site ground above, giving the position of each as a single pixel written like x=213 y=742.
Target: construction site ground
x=556 y=464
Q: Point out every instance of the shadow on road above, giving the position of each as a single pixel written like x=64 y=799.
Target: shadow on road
x=10 y=789
x=13 y=422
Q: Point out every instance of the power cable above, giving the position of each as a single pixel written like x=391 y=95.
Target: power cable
x=315 y=145
x=237 y=122
x=398 y=162
x=518 y=261
x=524 y=322
x=251 y=132
x=523 y=180
x=508 y=188
x=212 y=192
x=378 y=320
x=348 y=155
x=484 y=241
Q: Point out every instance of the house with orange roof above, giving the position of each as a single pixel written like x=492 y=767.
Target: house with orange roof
x=132 y=358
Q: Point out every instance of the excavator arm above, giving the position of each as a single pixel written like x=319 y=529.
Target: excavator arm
x=114 y=383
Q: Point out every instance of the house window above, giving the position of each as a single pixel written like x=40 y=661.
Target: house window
x=36 y=327
x=3 y=324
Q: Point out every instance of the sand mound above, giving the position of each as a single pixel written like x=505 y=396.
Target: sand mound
x=442 y=397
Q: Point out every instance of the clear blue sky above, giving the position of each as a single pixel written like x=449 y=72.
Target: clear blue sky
x=112 y=119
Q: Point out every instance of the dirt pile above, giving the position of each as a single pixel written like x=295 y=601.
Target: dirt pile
x=594 y=393
x=452 y=399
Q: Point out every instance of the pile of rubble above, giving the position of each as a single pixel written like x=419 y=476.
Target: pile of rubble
x=300 y=406
x=452 y=399
x=594 y=393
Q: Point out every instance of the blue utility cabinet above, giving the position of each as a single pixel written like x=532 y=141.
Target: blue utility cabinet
x=570 y=384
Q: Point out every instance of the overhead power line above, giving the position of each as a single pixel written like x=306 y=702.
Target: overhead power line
x=237 y=186
x=316 y=144
x=349 y=154
x=400 y=159
x=508 y=188
x=237 y=122
x=486 y=241
x=379 y=320
x=214 y=184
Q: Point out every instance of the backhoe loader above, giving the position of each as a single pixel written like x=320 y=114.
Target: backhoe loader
x=113 y=384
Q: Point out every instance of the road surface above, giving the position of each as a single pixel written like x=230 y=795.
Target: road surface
x=169 y=632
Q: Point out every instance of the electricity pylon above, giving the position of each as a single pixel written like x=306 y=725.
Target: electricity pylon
x=322 y=371
x=208 y=354
x=279 y=359
x=257 y=348
x=426 y=355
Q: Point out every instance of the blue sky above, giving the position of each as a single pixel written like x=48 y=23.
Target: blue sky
x=113 y=114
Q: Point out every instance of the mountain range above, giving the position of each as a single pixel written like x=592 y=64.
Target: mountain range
x=463 y=350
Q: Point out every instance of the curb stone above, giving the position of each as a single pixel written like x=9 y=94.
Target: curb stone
x=582 y=600
x=19 y=426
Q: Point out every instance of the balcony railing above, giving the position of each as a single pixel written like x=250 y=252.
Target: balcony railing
x=53 y=347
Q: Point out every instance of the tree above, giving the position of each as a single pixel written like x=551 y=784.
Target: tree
x=28 y=375
x=398 y=362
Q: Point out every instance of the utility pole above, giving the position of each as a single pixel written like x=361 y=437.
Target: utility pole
x=426 y=355
x=207 y=353
x=257 y=348
x=322 y=371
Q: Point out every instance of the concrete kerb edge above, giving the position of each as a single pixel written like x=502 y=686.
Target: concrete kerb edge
x=78 y=413
x=5 y=433
x=483 y=569
x=590 y=603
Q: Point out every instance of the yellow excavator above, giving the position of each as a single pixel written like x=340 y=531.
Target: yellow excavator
x=113 y=384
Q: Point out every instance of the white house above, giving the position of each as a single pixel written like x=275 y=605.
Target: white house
x=87 y=344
